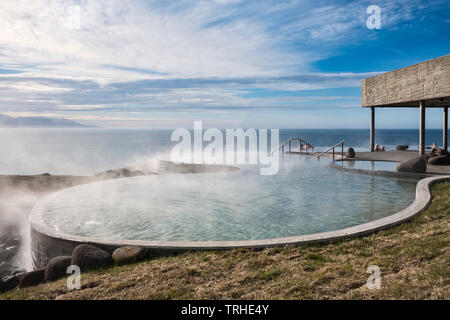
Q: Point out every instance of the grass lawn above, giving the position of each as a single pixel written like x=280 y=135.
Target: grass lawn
x=414 y=259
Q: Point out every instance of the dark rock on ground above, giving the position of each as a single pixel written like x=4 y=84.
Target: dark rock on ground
x=10 y=276
x=7 y=270
x=10 y=282
x=172 y=167
x=32 y=278
x=128 y=254
x=19 y=272
x=443 y=160
x=111 y=174
x=88 y=257
x=402 y=147
x=125 y=173
x=413 y=165
x=350 y=153
x=9 y=246
x=57 y=268
x=121 y=173
x=131 y=171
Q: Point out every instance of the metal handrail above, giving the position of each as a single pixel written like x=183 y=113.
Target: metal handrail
x=333 y=147
x=289 y=140
x=283 y=144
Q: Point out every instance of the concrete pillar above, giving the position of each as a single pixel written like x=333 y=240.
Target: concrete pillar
x=372 y=129
x=422 y=128
x=445 y=130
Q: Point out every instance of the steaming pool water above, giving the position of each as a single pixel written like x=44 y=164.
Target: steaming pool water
x=306 y=196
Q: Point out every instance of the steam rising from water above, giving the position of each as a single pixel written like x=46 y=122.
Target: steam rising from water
x=15 y=204
x=88 y=151
x=306 y=196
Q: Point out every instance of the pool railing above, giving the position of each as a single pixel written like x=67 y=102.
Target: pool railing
x=333 y=148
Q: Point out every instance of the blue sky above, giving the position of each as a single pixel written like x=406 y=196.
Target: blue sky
x=230 y=63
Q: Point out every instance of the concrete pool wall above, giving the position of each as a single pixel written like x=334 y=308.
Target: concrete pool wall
x=47 y=243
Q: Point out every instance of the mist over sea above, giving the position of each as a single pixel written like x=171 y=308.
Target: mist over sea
x=88 y=151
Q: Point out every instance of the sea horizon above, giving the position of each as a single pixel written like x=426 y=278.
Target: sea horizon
x=84 y=151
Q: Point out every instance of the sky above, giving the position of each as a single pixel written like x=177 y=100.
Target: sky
x=231 y=63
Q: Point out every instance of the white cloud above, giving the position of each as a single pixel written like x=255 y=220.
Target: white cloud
x=133 y=55
x=128 y=40
x=80 y=107
x=86 y=117
x=170 y=40
x=29 y=86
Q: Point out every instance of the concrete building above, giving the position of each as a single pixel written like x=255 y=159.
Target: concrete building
x=423 y=85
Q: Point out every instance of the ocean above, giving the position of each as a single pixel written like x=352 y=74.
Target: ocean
x=88 y=151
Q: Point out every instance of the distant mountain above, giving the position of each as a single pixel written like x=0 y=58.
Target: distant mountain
x=11 y=122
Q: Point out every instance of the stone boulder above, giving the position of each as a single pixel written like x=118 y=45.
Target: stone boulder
x=413 y=165
x=9 y=245
x=350 y=153
x=402 y=147
x=9 y=283
x=57 y=268
x=128 y=254
x=125 y=173
x=443 y=160
x=7 y=269
x=88 y=257
x=10 y=276
x=32 y=278
x=111 y=174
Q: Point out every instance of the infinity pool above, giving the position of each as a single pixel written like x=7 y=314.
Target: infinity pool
x=306 y=196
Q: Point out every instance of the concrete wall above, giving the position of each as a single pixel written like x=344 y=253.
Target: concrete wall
x=426 y=80
x=44 y=247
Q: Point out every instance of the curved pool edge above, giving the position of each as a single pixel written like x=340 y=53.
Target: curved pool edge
x=46 y=243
